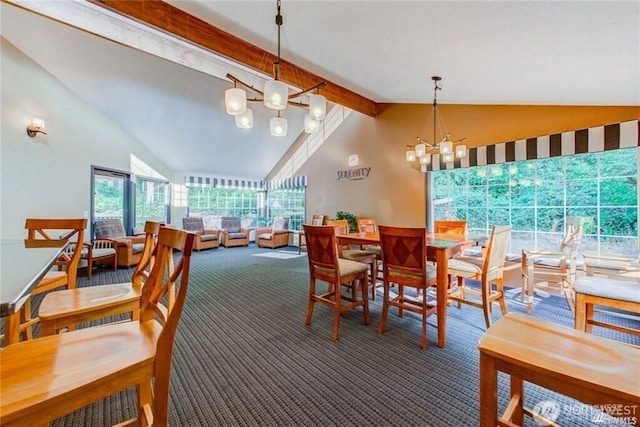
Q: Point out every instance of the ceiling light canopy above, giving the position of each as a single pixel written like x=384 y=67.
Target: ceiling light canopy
x=424 y=149
x=276 y=97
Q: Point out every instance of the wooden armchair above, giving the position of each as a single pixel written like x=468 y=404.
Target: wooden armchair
x=553 y=269
x=100 y=252
x=44 y=379
x=274 y=237
x=128 y=248
x=205 y=239
x=232 y=233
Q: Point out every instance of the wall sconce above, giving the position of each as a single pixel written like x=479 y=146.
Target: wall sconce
x=35 y=127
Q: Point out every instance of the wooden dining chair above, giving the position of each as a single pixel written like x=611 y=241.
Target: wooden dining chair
x=66 y=308
x=325 y=265
x=404 y=263
x=488 y=270
x=553 y=269
x=341 y=226
x=46 y=378
x=316 y=219
x=450 y=226
x=370 y=225
x=47 y=231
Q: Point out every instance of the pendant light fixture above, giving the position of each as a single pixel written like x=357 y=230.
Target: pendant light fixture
x=275 y=96
x=424 y=149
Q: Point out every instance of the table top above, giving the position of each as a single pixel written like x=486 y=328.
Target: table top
x=21 y=268
x=441 y=240
x=573 y=355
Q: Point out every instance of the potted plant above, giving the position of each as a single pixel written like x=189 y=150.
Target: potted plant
x=351 y=218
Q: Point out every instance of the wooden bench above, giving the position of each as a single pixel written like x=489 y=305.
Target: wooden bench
x=607 y=292
x=593 y=370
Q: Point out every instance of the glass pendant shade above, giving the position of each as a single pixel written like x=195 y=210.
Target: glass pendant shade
x=278 y=126
x=245 y=120
x=446 y=147
x=410 y=155
x=461 y=151
x=276 y=94
x=425 y=159
x=420 y=149
x=235 y=99
x=310 y=124
x=317 y=106
x=447 y=157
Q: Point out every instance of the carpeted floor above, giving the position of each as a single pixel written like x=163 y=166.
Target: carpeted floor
x=242 y=356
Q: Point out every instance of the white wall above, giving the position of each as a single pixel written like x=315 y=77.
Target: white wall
x=50 y=175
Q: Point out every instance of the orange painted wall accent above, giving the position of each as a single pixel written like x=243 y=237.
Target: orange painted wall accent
x=490 y=124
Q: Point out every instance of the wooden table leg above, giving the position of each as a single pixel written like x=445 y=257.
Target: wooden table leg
x=442 y=273
x=488 y=391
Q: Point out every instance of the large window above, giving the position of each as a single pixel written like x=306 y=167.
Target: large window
x=152 y=201
x=288 y=203
x=213 y=203
x=535 y=196
x=256 y=208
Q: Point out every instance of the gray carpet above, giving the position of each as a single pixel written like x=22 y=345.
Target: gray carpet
x=243 y=357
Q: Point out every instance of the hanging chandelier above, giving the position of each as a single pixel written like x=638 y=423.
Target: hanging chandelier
x=276 y=97
x=424 y=149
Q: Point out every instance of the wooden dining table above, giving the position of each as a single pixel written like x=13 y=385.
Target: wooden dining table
x=22 y=266
x=440 y=247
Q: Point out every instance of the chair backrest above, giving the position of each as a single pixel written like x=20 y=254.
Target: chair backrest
x=404 y=255
x=109 y=229
x=232 y=224
x=280 y=223
x=147 y=259
x=367 y=225
x=573 y=235
x=41 y=230
x=194 y=224
x=161 y=283
x=442 y=226
x=341 y=226
x=317 y=219
x=322 y=252
x=496 y=251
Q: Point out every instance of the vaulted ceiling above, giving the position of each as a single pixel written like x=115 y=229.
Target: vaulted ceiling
x=514 y=52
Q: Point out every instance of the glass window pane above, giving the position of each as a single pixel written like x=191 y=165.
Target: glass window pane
x=582 y=192
x=619 y=191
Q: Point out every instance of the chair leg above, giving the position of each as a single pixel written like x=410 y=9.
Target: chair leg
x=364 y=291
x=486 y=303
x=580 y=322
x=567 y=289
x=590 y=310
x=423 y=335
x=312 y=292
x=385 y=308
x=336 y=315
x=500 y=290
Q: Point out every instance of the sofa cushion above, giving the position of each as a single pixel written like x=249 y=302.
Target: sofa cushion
x=265 y=236
x=136 y=248
x=109 y=229
x=208 y=237
x=237 y=235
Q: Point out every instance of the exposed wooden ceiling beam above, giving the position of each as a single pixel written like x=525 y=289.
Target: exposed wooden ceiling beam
x=172 y=20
